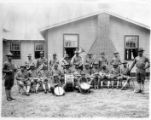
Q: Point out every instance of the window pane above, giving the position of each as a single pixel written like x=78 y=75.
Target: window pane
x=131 y=46
x=39 y=47
x=70 y=40
x=131 y=42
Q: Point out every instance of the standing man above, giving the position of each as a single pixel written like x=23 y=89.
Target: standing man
x=65 y=61
x=103 y=60
x=77 y=60
x=89 y=59
x=41 y=61
x=9 y=71
x=30 y=61
x=116 y=60
x=53 y=61
x=141 y=67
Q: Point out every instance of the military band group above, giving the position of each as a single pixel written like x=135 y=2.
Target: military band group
x=73 y=73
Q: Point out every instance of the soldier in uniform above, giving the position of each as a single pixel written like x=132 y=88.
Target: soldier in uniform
x=125 y=75
x=46 y=78
x=67 y=69
x=23 y=80
x=77 y=60
x=87 y=71
x=115 y=73
x=53 y=61
x=103 y=60
x=89 y=59
x=30 y=61
x=41 y=61
x=104 y=74
x=56 y=73
x=116 y=59
x=65 y=61
x=95 y=72
x=33 y=76
x=141 y=66
x=9 y=71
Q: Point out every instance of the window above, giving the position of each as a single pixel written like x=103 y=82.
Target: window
x=15 y=49
x=38 y=48
x=70 y=44
x=131 y=46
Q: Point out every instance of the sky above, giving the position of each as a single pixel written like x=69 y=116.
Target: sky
x=22 y=17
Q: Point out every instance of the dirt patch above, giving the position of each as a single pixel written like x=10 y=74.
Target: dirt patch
x=99 y=103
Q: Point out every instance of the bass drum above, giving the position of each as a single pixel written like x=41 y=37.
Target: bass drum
x=58 y=91
x=84 y=87
x=69 y=83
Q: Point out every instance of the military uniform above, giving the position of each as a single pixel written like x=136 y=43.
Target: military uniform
x=23 y=80
x=41 y=61
x=77 y=60
x=90 y=61
x=95 y=74
x=23 y=77
x=56 y=76
x=140 y=68
x=9 y=71
x=115 y=60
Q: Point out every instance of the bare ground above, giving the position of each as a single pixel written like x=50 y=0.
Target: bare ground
x=99 y=103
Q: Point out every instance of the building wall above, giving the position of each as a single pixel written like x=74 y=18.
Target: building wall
x=119 y=28
x=86 y=29
x=27 y=47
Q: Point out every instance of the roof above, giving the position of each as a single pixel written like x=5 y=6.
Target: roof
x=9 y=35
x=21 y=34
x=93 y=14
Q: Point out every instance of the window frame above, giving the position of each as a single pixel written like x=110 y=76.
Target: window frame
x=36 y=43
x=78 y=38
x=12 y=50
x=129 y=48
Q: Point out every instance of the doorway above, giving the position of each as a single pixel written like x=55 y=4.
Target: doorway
x=70 y=51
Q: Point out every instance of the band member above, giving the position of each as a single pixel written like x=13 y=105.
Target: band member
x=41 y=61
x=46 y=78
x=65 y=61
x=141 y=66
x=77 y=74
x=67 y=69
x=53 y=61
x=23 y=80
x=29 y=62
x=34 y=78
x=77 y=60
x=104 y=75
x=125 y=75
x=115 y=73
x=87 y=71
x=89 y=59
x=95 y=72
x=116 y=59
x=56 y=73
x=9 y=71
x=103 y=60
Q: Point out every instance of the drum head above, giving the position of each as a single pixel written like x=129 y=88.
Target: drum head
x=85 y=86
x=59 y=91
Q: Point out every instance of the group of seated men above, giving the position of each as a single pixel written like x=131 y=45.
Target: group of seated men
x=46 y=74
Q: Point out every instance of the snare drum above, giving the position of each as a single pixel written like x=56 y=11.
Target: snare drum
x=69 y=82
